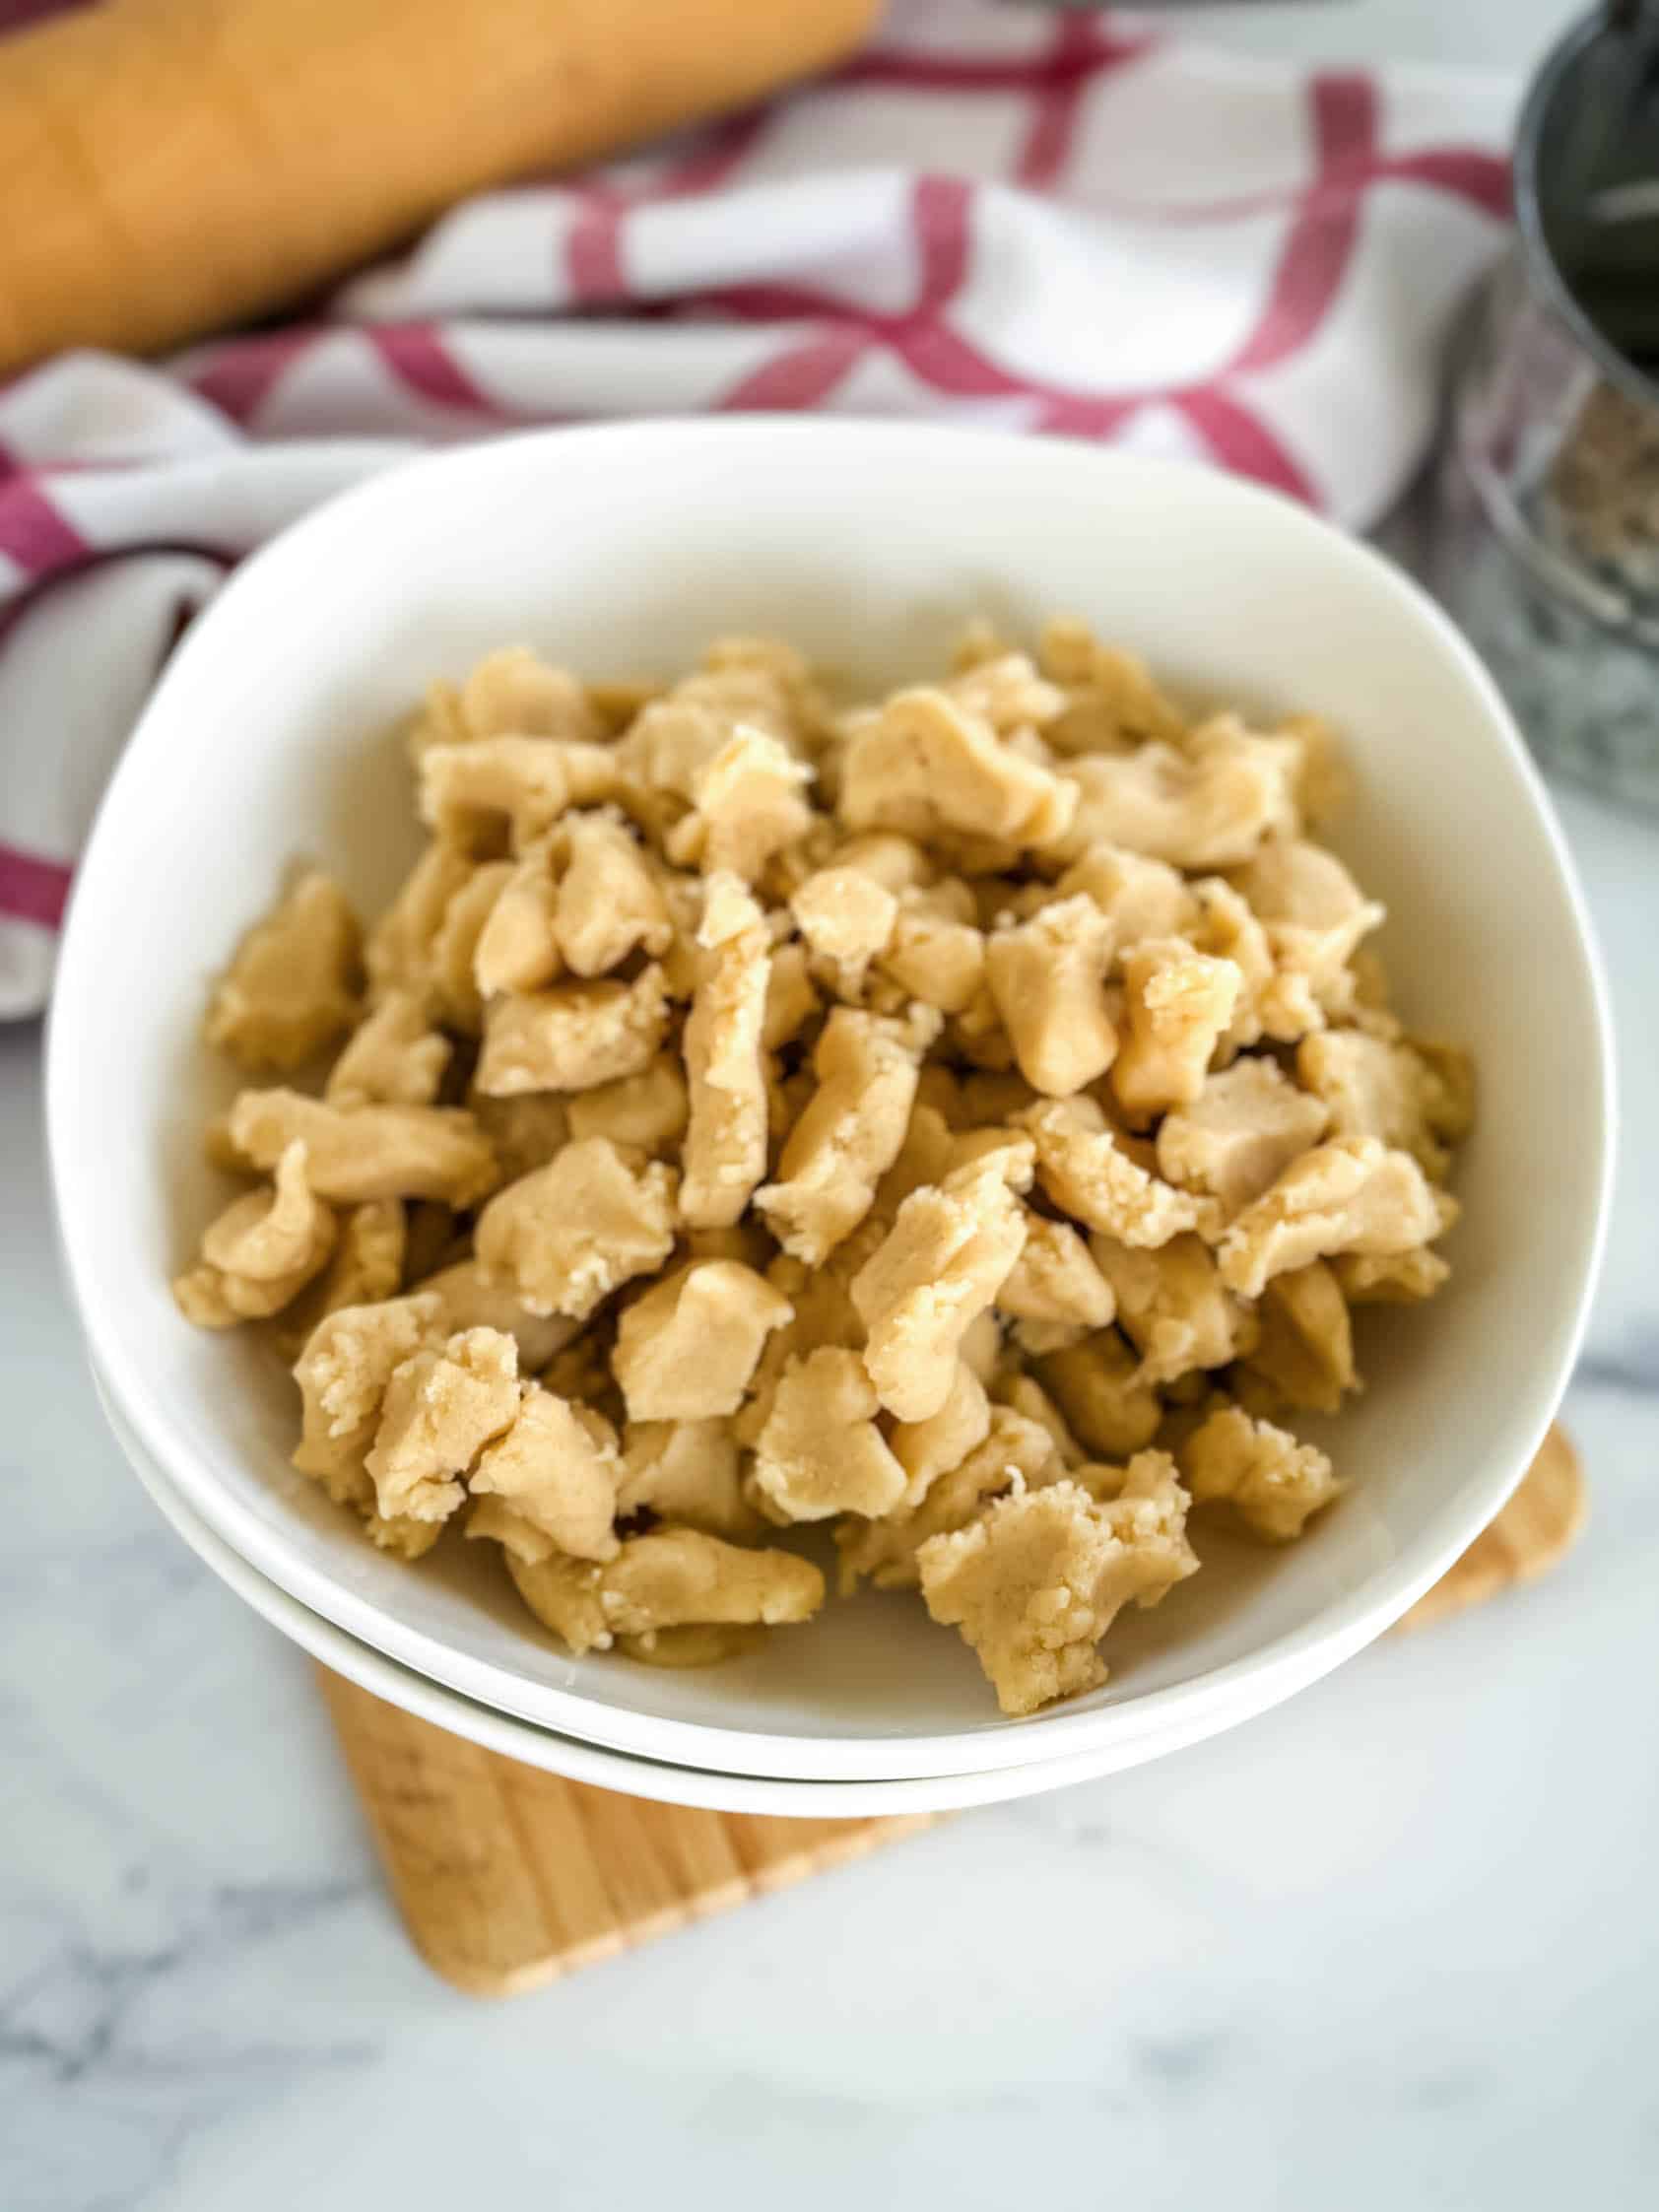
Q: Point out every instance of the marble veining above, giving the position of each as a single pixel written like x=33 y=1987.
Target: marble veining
x=1397 y=1943
x=1394 y=1945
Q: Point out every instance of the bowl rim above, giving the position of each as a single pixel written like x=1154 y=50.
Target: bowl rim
x=622 y=1774
x=1234 y=1690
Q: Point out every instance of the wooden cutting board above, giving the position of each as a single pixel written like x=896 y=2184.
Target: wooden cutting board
x=508 y=1877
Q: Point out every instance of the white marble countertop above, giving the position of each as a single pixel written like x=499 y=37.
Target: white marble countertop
x=1395 y=1945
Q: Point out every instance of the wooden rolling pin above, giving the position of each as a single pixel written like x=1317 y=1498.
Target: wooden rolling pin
x=171 y=165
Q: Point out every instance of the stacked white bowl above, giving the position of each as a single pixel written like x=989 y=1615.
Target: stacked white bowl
x=869 y=545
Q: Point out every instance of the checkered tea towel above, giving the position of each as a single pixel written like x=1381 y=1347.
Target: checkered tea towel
x=998 y=215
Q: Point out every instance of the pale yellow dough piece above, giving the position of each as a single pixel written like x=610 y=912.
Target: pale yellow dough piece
x=367 y=1265
x=846 y=917
x=899 y=864
x=689 y=1472
x=1014 y=1450
x=364 y=1152
x=401 y=1535
x=562 y=1594
x=724 y=1155
x=574 y=1036
x=618 y=700
x=927 y=1156
x=1010 y=1151
x=270 y=1235
x=1146 y=1508
x=923 y=762
x=1104 y=1396
x=1037 y=1580
x=1054 y=1290
x=927 y=1449
x=851 y=1131
x=747 y=804
x=1269 y=1004
x=513 y=690
x=940 y=1266
x=437 y=720
x=680 y=1577
x=687 y=1349
x=495 y=1520
x=670 y=1578
x=1112 y=700
x=442 y=1405
x=468 y=1300
x=343 y=1373
x=293 y=985
x=823 y=1315
x=1324 y=785
x=400 y=952
x=1240 y=1134
x=1350 y=1195
x=649 y=1110
x=1022 y=1393
x=516 y=946
x=1314 y=914
x=1205 y=804
x=665 y=749
x=699 y=1643
x=1176 y=1004
x=566 y=1237
x=261 y=1252
x=765 y=678
x=791 y=1000
x=455 y=990
x=1416 y=1100
x=1173 y=1307
x=1047 y=976
x=982 y=1346
x=1140 y=898
x=1389 y=1278
x=1273 y=1482
x=393 y=1057
x=936 y=953
x=559 y=1467
x=1095 y=1174
x=608 y=903
x=1305 y=1353
x=820 y=1453
x=1006 y=689
x=527 y=783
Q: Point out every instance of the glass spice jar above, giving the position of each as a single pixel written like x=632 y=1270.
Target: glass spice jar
x=1545 y=543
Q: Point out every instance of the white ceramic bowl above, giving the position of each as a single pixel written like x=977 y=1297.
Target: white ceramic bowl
x=868 y=544
x=565 y=1755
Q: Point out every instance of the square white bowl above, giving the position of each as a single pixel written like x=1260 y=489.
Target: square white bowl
x=869 y=545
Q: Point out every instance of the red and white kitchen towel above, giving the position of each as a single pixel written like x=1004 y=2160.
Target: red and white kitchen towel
x=1039 y=221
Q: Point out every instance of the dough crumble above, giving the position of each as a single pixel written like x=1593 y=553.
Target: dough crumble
x=968 y=1122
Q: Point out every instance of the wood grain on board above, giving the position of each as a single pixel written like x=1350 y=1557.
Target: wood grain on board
x=1537 y=1527
x=508 y=1877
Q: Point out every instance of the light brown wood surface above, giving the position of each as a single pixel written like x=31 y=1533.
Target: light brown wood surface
x=508 y=1877
x=1537 y=1527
